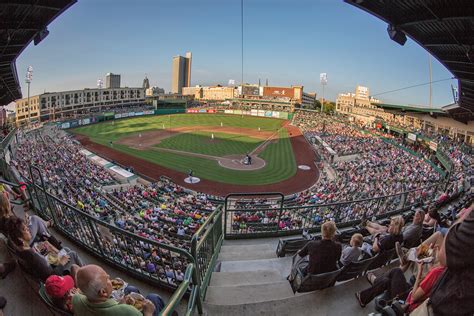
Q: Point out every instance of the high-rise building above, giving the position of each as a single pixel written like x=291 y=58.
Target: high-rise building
x=112 y=81
x=181 y=75
x=146 y=83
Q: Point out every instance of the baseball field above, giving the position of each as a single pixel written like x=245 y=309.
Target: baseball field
x=212 y=145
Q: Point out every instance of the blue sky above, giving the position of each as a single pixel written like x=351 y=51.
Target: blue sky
x=288 y=42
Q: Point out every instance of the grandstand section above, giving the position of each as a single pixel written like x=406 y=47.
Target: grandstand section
x=438 y=26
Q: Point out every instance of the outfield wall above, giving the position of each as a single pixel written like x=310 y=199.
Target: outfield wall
x=107 y=116
x=253 y=112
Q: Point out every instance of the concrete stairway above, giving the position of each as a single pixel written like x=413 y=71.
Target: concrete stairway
x=250 y=280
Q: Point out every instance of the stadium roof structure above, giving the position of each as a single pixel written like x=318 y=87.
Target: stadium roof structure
x=445 y=28
x=21 y=22
x=410 y=108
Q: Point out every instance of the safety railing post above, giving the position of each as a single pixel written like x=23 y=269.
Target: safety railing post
x=197 y=274
x=95 y=236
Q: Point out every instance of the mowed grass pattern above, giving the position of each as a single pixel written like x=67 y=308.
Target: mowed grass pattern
x=280 y=161
x=114 y=130
x=201 y=142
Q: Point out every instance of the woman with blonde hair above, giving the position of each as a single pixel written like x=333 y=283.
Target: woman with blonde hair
x=383 y=241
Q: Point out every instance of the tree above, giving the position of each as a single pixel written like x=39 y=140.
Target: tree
x=329 y=107
x=317 y=105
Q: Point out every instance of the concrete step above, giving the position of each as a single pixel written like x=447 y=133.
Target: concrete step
x=248 y=294
x=282 y=265
x=246 y=252
x=338 y=300
x=245 y=278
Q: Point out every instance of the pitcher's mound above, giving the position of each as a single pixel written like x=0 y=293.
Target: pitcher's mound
x=236 y=162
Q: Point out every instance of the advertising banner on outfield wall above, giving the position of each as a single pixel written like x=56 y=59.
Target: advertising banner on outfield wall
x=74 y=123
x=117 y=116
x=284 y=115
x=86 y=121
x=268 y=113
x=148 y=112
x=229 y=111
x=254 y=112
x=261 y=113
x=65 y=125
x=124 y=114
x=191 y=111
x=246 y=113
x=139 y=113
x=239 y=112
x=276 y=114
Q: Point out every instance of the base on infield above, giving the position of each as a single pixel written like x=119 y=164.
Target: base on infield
x=192 y=180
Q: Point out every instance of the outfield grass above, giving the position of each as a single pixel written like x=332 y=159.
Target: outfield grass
x=201 y=142
x=280 y=161
x=114 y=130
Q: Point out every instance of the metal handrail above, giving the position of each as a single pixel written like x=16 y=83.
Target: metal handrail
x=363 y=200
x=175 y=299
x=302 y=215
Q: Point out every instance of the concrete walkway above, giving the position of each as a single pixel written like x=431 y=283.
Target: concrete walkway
x=251 y=280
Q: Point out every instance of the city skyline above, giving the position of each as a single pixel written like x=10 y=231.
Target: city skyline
x=289 y=45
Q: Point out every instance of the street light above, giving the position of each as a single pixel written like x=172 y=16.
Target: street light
x=323 y=78
x=28 y=79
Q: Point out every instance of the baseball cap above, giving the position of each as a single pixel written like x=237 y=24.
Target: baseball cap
x=57 y=286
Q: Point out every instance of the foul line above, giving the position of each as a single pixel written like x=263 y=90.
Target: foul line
x=265 y=142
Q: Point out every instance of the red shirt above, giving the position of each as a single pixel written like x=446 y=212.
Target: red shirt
x=426 y=285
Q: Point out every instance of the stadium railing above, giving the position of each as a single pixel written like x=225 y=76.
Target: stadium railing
x=205 y=247
x=6 y=145
x=292 y=220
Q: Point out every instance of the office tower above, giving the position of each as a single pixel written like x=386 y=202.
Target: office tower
x=181 y=74
x=112 y=81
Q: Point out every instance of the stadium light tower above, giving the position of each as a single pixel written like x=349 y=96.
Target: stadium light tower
x=99 y=86
x=323 y=78
x=28 y=79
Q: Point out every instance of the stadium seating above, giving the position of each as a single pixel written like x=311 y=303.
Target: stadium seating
x=313 y=282
x=355 y=269
x=381 y=259
x=290 y=246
